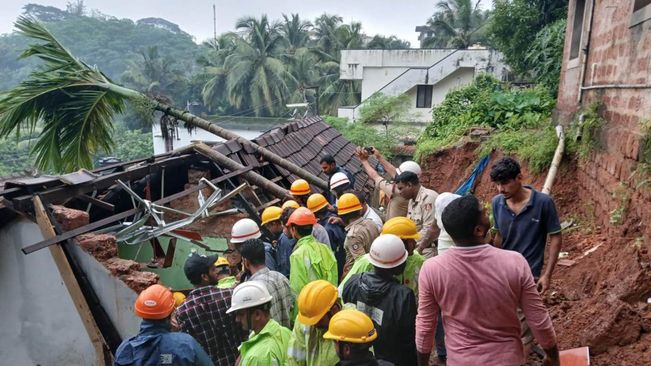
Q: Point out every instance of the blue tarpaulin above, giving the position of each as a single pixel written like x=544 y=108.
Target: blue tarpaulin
x=467 y=185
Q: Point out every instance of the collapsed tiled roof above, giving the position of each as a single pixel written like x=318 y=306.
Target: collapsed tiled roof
x=302 y=142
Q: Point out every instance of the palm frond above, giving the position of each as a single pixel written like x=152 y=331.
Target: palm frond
x=73 y=101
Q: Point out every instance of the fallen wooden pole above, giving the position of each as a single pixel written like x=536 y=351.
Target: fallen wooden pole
x=250 y=176
x=78 y=299
x=229 y=135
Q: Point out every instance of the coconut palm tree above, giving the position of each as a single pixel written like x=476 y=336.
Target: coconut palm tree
x=295 y=33
x=456 y=23
x=75 y=104
x=253 y=74
x=391 y=43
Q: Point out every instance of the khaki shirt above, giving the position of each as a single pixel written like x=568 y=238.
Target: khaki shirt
x=397 y=205
x=359 y=236
x=421 y=210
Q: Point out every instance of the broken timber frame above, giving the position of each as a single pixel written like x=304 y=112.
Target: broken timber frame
x=251 y=176
x=102 y=353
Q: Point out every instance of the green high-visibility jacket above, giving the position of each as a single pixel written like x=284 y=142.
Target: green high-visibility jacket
x=269 y=347
x=227 y=282
x=307 y=347
x=408 y=278
x=311 y=261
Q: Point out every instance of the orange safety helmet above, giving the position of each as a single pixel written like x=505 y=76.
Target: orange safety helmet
x=300 y=187
x=155 y=302
x=316 y=202
x=301 y=217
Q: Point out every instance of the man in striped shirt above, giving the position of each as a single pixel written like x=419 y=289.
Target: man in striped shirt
x=278 y=285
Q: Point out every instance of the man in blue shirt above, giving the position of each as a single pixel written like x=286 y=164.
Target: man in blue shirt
x=156 y=344
x=524 y=218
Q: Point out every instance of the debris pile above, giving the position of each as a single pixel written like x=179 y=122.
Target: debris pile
x=104 y=248
x=601 y=297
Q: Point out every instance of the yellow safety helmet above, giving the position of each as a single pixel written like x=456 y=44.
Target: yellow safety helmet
x=221 y=261
x=351 y=325
x=316 y=202
x=348 y=203
x=300 y=187
x=271 y=213
x=290 y=203
x=179 y=298
x=315 y=300
x=402 y=227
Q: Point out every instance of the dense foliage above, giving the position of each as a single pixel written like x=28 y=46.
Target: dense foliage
x=519 y=116
x=255 y=71
x=385 y=109
x=456 y=24
x=514 y=27
x=546 y=55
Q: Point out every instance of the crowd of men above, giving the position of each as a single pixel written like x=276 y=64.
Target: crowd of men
x=328 y=280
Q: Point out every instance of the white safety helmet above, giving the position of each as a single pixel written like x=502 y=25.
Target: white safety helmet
x=338 y=179
x=409 y=166
x=249 y=295
x=387 y=251
x=244 y=230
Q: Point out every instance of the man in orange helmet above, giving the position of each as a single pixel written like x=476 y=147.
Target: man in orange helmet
x=156 y=344
x=311 y=260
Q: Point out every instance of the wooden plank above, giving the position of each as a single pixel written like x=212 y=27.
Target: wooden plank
x=99 y=203
x=71 y=284
x=108 y=220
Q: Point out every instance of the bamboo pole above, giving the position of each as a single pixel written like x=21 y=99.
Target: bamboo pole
x=251 y=176
x=558 y=155
x=71 y=284
x=223 y=133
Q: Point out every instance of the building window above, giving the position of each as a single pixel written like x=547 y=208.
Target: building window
x=641 y=11
x=424 y=96
x=577 y=28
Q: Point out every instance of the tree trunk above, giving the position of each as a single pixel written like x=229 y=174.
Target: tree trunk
x=191 y=119
x=251 y=176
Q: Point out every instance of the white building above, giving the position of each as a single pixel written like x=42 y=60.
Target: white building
x=426 y=75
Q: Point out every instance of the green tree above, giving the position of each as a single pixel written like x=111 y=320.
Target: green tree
x=456 y=23
x=546 y=55
x=255 y=76
x=385 y=109
x=390 y=43
x=514 y=25
x=295 y=33
x=157 y=76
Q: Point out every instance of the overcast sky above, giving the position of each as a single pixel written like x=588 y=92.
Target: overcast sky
x=387 y=17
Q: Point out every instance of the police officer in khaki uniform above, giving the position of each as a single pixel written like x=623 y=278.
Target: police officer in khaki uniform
x=420 y=210
x=360 y=231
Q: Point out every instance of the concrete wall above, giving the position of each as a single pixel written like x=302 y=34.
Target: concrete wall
x=394 y=72
x=40 y=325
x=353 y=62
x=453 y=81
x=619 y=54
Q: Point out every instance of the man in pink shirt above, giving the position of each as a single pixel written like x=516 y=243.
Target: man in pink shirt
x=478 y=289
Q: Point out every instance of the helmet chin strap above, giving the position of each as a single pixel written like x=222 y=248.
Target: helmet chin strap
x=248 y=320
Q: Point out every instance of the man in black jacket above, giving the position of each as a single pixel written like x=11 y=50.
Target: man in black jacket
x=391 y=305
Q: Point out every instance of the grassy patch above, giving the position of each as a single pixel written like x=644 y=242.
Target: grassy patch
x=534 y=146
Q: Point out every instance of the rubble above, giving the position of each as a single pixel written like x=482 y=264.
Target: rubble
x=101 y=246
x=119 y=266
x=139 y=281
x=70 y=219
